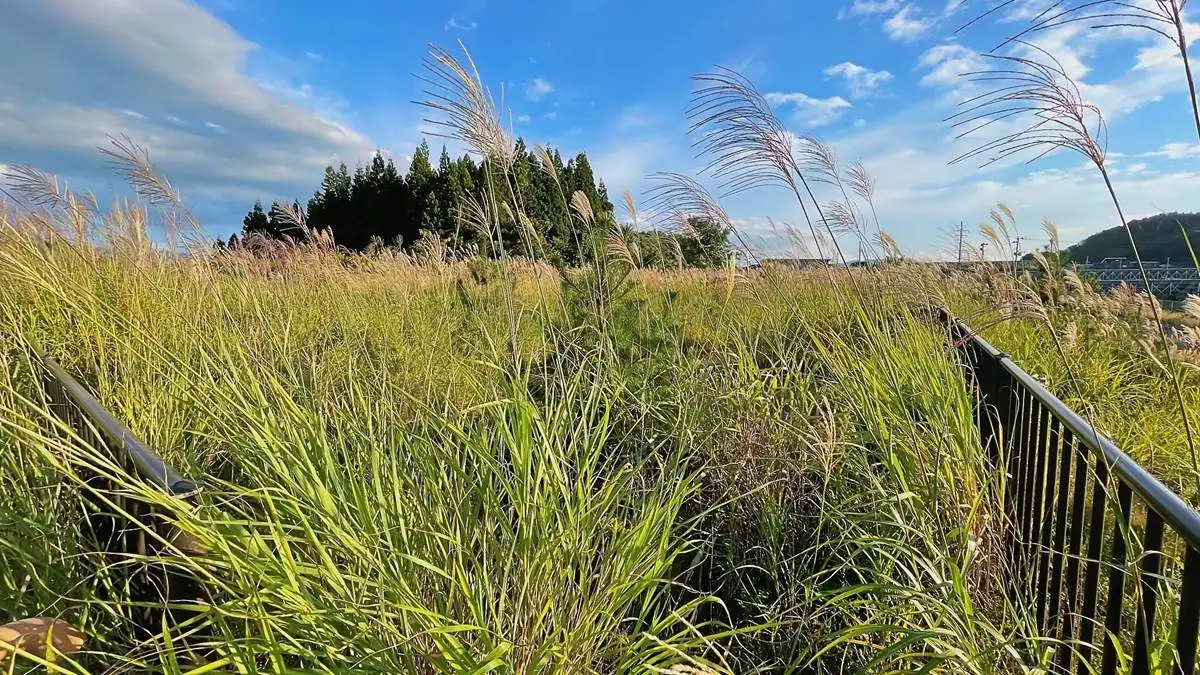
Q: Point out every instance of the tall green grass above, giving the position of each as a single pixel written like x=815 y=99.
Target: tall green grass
x=419 y=464
x=722 y=483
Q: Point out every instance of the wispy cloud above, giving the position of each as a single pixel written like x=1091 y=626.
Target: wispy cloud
x=455 y=24
x=538 y=88
x=868 y=7
x=861 y=81
x=906 y=24
x=314 y=56
x=946 y=65
x=810 y=111
x=1176 y=151
x=524 y=119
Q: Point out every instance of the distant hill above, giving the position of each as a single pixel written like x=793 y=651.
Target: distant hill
x=1158 y=238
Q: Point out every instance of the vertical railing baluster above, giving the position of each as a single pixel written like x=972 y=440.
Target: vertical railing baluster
x=1116 y=580
x=1031 y=529
x=1143 y=637
x=1053 y=440
x=1066 y=636
x=1059 y=545
x=1012 y=480
x=1091 y=577
x=1024 y=486
x=1187 y=622
x=982 y=397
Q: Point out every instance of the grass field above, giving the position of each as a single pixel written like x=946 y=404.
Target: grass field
x=421 y=462
x=423 y=466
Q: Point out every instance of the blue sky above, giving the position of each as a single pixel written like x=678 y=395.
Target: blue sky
x=245 y=99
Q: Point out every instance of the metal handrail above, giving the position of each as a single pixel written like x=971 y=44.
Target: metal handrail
x=120 y=523
x=1175 y=512
x=145 y=462
x=1035 y=440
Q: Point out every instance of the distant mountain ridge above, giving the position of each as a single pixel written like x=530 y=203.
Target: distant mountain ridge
x=1159 y=238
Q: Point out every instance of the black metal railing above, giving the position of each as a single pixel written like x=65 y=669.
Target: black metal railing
x=1103 y=558
x=133 y=538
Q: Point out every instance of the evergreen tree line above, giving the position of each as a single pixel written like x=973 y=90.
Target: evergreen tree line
x=377 y=205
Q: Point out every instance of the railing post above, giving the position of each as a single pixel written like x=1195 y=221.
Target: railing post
x=115 y=537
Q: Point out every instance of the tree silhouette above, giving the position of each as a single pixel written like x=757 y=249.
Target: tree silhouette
x=375 y=203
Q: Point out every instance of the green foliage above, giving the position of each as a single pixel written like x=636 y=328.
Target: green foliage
x=256 y=220
x=377 y=203
x=1159 y=238
x=706 y=243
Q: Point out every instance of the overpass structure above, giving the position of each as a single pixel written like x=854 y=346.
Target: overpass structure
x=1165 y=282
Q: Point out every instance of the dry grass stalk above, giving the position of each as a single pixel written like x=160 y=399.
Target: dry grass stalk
x=1191 y=306
x=1036 y=88
x=1061 y=119
x=862 y=184
x=470 y=113
x=746 y=144
x=36 y=187
x=582 y=206
x=1163 y=18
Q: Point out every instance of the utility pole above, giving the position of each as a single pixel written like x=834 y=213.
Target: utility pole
x=960 y=242
x=982 y=245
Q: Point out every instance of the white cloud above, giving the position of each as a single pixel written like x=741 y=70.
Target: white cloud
x=524 y=119
x=625 y=163
x=1127 y=88
x=861 y=81
x=538 y=87
x=906 y=22
x=770 y=238
x=920 y=192
x=551 y=115
x=170 y=61
x=867 y=7
x=905 y=26
x=1176 y=151
x=918 y=189
x=814 y=112
x=860 y=123
x=953 y=6
x=947 y=64
x=455 y=24
x=314 y=56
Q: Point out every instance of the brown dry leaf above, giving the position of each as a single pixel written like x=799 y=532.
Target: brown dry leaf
x=31 y=635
